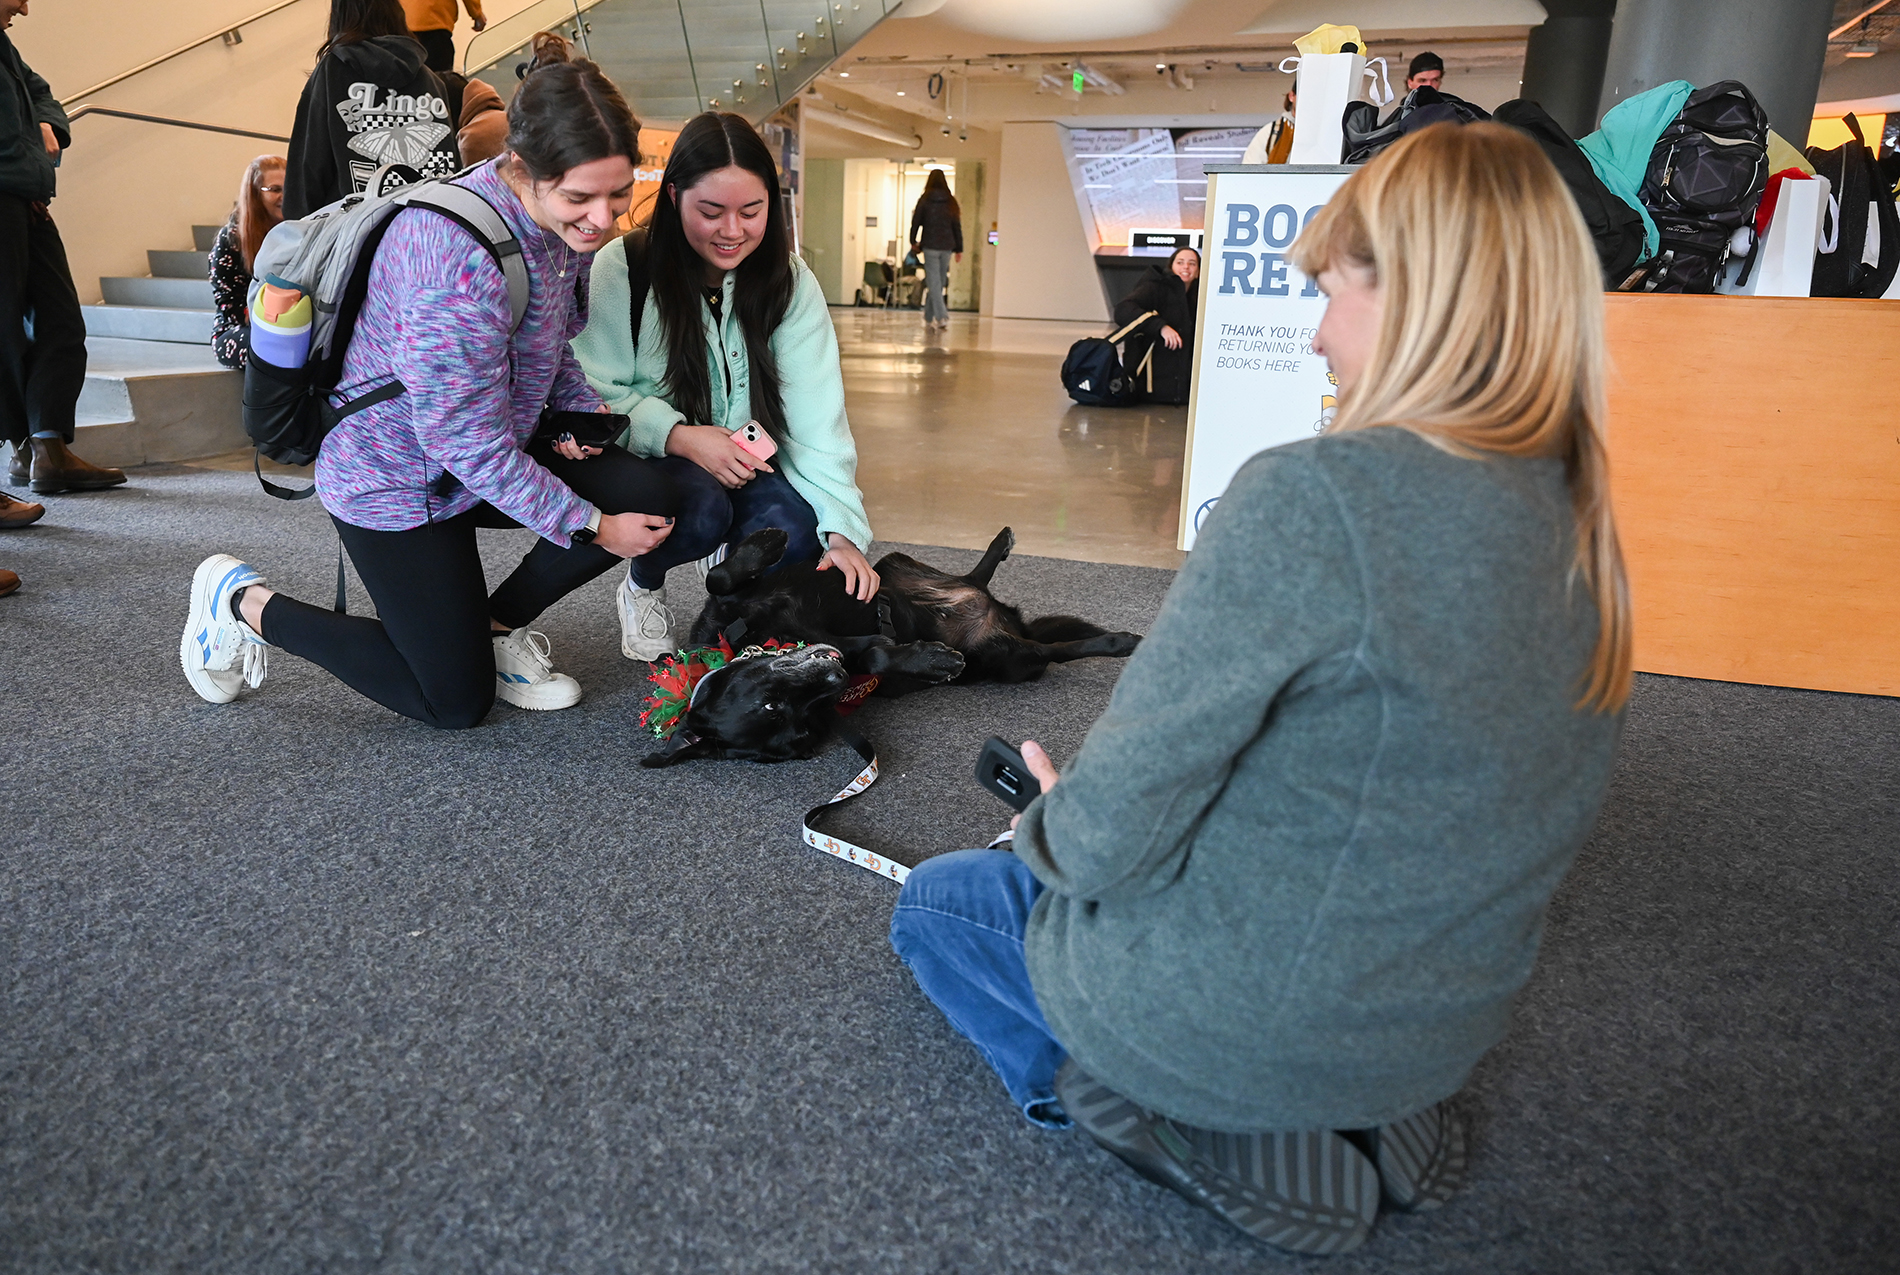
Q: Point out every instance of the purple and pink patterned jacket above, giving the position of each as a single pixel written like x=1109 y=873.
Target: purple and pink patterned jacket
x=436 y=318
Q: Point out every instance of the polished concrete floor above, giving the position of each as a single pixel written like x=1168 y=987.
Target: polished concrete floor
x=966 y=431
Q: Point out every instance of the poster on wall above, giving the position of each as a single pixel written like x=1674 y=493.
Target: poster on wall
x=1257 y=382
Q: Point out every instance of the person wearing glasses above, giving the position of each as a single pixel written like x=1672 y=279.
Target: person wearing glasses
x=260 y=205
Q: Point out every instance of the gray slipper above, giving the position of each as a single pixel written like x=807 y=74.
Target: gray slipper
x=1308 y=1191
x=1421 y=1158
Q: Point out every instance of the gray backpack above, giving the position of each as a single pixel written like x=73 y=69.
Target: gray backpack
x=327 y=257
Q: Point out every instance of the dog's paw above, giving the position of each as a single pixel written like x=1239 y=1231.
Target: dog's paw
x=935 y=662
x=749 y=559
x=1121 y=644
x=1005 y=541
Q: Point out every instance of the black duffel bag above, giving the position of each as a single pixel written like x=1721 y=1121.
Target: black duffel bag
x=1093 y=373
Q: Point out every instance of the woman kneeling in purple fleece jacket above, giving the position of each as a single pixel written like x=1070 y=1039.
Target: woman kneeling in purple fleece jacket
x=408 y=481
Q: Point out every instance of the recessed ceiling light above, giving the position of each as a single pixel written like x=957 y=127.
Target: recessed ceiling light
x=900 y=92
x=844 y=75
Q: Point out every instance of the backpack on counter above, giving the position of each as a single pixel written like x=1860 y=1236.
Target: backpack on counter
x=1616 y=227
x=1424 y=106
x=1863 y=226
x=327 y=256
x=1093 y=373
x=1706 y=174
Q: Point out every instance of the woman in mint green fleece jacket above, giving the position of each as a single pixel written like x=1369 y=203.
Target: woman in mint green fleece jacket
x=1279 y=905
x=733 y=329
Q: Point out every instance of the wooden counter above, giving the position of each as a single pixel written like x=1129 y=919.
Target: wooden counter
x=1755 y=458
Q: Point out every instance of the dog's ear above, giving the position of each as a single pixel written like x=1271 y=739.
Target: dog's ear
x=682 y=747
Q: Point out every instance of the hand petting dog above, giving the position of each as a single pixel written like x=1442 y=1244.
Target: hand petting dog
x=860 y=581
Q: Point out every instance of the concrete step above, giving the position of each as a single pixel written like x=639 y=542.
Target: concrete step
x=178 y=265
x=170 y=294
x=147 y=401
x=149 y=323
x=203 y=237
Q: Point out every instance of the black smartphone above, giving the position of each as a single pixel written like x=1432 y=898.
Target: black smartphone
x=590 y=429
x=1002 y=770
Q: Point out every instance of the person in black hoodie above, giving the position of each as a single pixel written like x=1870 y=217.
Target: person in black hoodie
x=370 y=101
x=41 y=375
x=1173 y=293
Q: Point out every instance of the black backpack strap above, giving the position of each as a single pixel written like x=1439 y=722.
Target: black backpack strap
x=639 y=280
x=479 y=217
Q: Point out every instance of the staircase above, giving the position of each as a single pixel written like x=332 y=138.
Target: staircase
x=153 y=390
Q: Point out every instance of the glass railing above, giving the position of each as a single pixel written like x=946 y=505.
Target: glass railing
x=676 y=58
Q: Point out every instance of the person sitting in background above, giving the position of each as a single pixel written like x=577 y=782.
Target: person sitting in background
x=432 y=22
x=1173 y=294
x=1427 y=71
x=347 y=126
x=1279 y=905
x=260 y=205
x=936 y=228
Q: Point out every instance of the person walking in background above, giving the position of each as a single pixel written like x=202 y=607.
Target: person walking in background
x=260 y=205
x=936 y=227
x=408 y=480
x=1280 y=904
x=432 y=22
x=733 y=330
x=370 y=101
x=1172 y=292
x=41 y=375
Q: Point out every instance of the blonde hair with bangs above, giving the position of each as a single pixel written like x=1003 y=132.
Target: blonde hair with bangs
x=1491 y=334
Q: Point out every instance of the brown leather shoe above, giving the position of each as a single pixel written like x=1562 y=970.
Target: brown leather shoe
x=18 y=513
x=9 y=583
x=55 y=468
x=20 y=468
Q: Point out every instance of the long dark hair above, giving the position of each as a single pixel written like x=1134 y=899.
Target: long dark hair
x=252 y=219
x=762 y=288
x=938 y=186
x=354 y=21
x=567 y=113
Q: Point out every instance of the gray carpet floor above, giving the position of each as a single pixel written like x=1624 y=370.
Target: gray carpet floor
x=296 y=985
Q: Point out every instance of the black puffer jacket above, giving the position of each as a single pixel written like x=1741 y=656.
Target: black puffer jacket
x=26 y=170
x=366 y=105
x=937 y=223
x=1175 y=304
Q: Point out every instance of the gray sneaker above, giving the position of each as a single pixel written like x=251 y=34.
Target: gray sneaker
x=1421 y=1158
x=1308 y=1191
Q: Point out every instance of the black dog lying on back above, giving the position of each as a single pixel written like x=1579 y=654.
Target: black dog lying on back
x=924 y=628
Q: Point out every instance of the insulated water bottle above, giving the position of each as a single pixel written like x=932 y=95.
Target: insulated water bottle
x=280 y=323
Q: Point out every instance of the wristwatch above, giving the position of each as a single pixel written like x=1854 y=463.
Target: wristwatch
x=585 y=535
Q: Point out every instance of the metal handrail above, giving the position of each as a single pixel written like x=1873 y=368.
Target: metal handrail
x=84 y=111
x=219 y=34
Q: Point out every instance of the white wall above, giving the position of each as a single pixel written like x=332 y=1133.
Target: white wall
x=126 y=186
x=1044 y=265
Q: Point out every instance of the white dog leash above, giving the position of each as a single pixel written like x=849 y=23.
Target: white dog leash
x=838 y=846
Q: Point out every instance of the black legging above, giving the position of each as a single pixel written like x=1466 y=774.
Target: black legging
x=430 y=655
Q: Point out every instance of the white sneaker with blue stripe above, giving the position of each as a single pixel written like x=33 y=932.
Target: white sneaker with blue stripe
x=219 y=652
x=524 y=673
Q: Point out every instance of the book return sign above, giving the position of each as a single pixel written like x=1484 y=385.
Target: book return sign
x=1257 y=382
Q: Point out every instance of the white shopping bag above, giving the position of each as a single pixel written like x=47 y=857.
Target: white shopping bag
x=1327 y=82
x=1785 y=257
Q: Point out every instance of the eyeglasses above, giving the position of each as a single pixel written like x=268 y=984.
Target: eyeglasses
x=270 y=190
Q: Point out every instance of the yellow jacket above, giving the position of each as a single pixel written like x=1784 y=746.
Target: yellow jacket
x=437 y=15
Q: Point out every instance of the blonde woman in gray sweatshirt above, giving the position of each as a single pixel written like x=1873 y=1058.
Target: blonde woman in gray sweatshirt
x=1276 y=909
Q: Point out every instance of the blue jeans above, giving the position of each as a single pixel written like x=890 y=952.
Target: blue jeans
x=709 y=515
x=936 y=283
x=959 y=926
